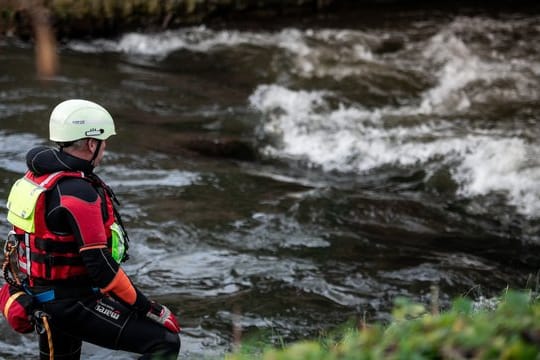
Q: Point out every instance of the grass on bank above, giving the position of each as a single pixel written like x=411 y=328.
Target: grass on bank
x=510 y=331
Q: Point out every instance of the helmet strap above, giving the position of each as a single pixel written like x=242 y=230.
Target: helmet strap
x=96 y=152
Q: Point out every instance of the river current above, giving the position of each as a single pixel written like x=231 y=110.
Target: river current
x=291 y=179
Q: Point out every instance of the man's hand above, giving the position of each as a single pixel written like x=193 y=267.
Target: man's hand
x=162 y=315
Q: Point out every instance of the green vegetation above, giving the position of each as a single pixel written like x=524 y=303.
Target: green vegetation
x=511 y=331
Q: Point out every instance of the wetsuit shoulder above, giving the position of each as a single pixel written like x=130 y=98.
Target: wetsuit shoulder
x=77 y=187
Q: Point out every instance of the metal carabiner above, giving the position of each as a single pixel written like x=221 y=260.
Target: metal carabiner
x=10 y=243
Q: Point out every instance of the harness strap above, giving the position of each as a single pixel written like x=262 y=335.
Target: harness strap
x=57 y=247
x=28 y=266
x=45 y=296
x=96 y=152
x=60 y=293
x=10 y=301
x=49 y=260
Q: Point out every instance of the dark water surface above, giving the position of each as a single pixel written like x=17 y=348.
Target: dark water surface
x=301 y=176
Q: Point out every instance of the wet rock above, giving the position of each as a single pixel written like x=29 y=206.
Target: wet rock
x=389 y=45
x=218 y=147
x=221 y=147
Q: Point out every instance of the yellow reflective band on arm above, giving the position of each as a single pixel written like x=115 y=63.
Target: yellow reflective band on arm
x=22 y=202
x=118 y=243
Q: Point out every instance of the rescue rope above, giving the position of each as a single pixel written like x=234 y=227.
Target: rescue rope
x=14 y=280
x=49 y=335
x=7 y=268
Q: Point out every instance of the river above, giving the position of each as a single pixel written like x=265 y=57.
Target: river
x=295 y=177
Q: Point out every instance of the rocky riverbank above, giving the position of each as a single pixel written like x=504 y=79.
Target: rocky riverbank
x=89 y=18
x=98 y=18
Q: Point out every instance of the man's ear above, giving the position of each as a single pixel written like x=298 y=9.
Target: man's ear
x=91 y=144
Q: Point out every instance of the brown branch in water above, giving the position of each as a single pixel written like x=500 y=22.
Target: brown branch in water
x=45 y=41
x=35 y=14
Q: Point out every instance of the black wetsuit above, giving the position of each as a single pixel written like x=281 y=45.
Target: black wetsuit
x=80 y=312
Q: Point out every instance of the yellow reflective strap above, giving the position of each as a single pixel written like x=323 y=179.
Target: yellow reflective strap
x=10 y=301
x=22 y=202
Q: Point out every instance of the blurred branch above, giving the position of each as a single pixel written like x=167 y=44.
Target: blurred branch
x=44 y=39
x=46 y=55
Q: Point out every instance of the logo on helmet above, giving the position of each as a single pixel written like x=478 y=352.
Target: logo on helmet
x=94 y=132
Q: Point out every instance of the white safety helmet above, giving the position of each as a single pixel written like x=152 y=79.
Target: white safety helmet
x=76 y=119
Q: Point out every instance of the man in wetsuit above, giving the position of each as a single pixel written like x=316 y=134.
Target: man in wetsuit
x=72 y=241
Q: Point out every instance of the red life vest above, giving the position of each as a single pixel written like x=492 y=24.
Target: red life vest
x=49 y=256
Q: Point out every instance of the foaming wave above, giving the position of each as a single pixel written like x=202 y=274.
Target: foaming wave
x=502 y=165
x=125 y=177
x=17 y=346
x=312 y=53
x=467 y=74
x=302 y=125
x=162 y=44
x=337 y=54
x=463 y=62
